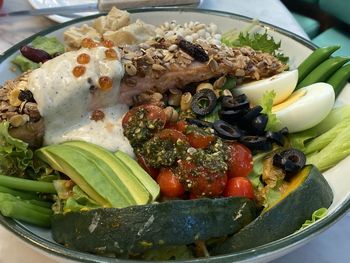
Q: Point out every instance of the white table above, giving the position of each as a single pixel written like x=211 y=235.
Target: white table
x=331 y=246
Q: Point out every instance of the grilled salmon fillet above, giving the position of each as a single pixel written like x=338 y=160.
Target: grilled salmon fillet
x=163 y=64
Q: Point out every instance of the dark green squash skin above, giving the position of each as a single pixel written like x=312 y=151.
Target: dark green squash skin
x=283 y=219
x=135 y=229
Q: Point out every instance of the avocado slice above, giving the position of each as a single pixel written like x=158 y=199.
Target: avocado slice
x=61 y=165
x=97 y=174
x=135 y=188
x=147 y=181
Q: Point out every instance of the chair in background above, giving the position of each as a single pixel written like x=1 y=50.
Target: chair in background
x=339 y=9
x=327 y=22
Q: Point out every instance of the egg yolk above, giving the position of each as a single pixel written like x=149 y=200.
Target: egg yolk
x=290 y=100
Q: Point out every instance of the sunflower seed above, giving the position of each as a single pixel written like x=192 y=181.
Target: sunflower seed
x=172 y=48
x=158 y=67
x=219 y=82
x=130 y=69
x=213 y=65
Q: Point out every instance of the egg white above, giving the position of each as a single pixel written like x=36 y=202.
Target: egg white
x=283 y=84
x=308 y=110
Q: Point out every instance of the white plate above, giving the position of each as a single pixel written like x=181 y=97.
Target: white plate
x=293 y=46
x=37 y=4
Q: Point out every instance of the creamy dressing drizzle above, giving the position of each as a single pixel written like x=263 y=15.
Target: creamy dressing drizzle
x=66 y=102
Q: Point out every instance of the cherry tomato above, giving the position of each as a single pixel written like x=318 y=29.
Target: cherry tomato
x=152 y=171
x=201 y=181
x=181 y=126
x=240 y=161
x=239 y=186
x=153 y=112
x=170 y=185
x=200 y=140
x=172 y=134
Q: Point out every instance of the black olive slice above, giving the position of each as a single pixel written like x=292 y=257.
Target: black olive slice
x=26 y=95
x=235 y=102
x=226 y=131
x=231 y=116
x=251 y=114
x=203 y=102
x=199 y=123
x=258 y=143
x=284 y=131
x=290 y=160
x=276 y=137
x=258 y=124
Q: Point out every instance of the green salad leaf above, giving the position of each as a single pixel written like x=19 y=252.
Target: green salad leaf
x=334 y=152
x=317 y=215
x=267 y=103
x=327 y=130
x=320 y=142
x=24 y=64
x=298 y=140
x=15 y=156
x=257 y=41
x=336 y=116
x=328 y=142
x=71 y=198
x=49 y=44
x=16 y=159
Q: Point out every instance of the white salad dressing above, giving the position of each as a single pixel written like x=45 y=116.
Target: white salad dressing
x=66 y=102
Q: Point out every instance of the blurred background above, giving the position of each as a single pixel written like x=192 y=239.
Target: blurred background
x=326 y=22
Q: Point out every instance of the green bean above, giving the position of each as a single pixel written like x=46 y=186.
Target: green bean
x=314 y=59
x=26 y=184
x=323 y=71
x=16 y=208
x=29 y=197
x=339 y=79
x=21 y=194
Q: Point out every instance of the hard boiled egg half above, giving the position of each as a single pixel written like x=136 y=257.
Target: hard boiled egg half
x=283 y=84
x=306 y=107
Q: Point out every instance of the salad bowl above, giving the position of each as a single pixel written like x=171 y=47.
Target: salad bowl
x=296 y=48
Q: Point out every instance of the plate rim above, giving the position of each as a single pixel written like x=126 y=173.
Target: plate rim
x=290 y=241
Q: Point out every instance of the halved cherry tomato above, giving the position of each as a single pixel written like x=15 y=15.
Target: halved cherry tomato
x=200 y=140
x=152 y=171
x=170 y=185
x=239 y=186
x=240 y=161
x=153 y=112
x=172 y=134
x=181 y=126
x=201 y=181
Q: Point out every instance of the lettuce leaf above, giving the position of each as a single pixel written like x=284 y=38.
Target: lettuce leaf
x=334 y=152
x=16 y=159
x=323 y=133
x=71 y=198
x=298 y=140
x=267 y=103
x=257 y=41
x=49 y=44
x=15 y=156
x=337 y=115
x=317 y=215
x=320 y=142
